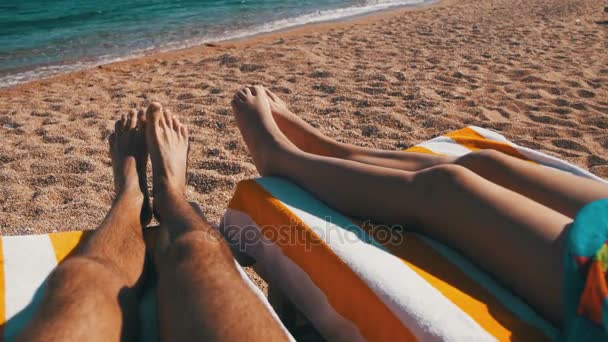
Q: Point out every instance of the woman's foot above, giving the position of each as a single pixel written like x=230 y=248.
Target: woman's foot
x=301 y=133
x=129 y=159
x=262 y=135
x=167 y=141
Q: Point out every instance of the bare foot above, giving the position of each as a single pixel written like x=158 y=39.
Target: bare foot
x=262 y=136
x=129 y=160
x=299 y=132
x=167 y=141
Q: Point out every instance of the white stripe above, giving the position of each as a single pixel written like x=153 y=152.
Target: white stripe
x=512 y=302
x=490 y=135
x=423 y=309
x=258 y=293
x=28 y=260
x=446 y=146
x=279 y=270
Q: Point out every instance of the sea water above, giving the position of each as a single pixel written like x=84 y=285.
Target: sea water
x=39 y=38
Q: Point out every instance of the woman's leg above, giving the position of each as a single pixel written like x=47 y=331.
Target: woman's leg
x=513 y=237
x=561 y=191
x=93 y=295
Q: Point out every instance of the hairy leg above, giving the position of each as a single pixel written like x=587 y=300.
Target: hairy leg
x=476 y=216
x=93 y=295
x=561 y=191
x=201 y=293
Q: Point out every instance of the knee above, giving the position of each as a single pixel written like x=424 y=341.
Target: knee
x=196 y=246
x=481 y=158
x=81 y=274
x=439 y=179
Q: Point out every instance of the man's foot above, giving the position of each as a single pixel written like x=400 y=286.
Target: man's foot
x=262 y=135
x=167 y=141
x=301 y=133
x=129 y=159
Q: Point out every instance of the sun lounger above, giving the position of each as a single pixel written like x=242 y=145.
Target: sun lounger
x=355 y=282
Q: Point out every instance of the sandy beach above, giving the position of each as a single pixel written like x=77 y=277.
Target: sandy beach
x=535 y=70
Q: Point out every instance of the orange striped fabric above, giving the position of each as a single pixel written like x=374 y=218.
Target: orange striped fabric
x=474 y=141
x=327 y=270
x=460 y=289
x=65 y=243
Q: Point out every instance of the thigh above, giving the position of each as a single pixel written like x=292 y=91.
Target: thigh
x=559 y=190
x=516 y=239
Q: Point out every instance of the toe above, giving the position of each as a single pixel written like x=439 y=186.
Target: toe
x=132 y=120
x=154 y=114
x=271 y=95
x=258 y=90
x=247 y=91
x=183 y=130
x=120 y=124
x=141 y=118
x=176 y=123
x=168 y=118
x=241 y=95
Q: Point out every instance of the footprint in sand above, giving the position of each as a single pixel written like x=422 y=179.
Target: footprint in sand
x=325 y=88
x=222 y=167
x=205 y=183
x=80 y=166
x=40 y=114
x=320 y=74
x=594 y=160
x=569 y=145
x=561 y=110
x=545 y=119
x=186 y=96
x=587 y=94
x=560 y=102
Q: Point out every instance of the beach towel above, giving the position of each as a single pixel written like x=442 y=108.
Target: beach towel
x=586 y=276
x=26 y=262
x=354 y=282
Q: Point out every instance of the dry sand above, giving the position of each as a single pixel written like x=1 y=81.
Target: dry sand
x=533 y=70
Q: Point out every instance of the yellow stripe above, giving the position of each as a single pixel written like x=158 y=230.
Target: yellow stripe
x=65 y=243
x=2 y=293
x=461 y=290
x=345 y=291
x=420 y=149
x=474 y=141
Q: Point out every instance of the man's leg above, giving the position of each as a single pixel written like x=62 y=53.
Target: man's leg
x=516 y=239
x=560 y=191
x=92 y=296
x=202 y=296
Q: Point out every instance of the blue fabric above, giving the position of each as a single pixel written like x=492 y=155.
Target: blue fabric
x=587 y=235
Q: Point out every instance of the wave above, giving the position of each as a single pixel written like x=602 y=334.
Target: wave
x=370 y=6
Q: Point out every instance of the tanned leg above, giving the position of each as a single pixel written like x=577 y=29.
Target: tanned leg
x=561 y=191
x=93 y=295
x=514 y=238
x=202 y=297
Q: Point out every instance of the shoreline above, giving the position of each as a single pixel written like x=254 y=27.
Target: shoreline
x=154 y=52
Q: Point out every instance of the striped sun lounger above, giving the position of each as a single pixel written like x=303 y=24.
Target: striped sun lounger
x=355 y=286
x=26 y=262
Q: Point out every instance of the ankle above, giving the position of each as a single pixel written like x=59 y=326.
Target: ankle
x=166 y=198
x=130 y=193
